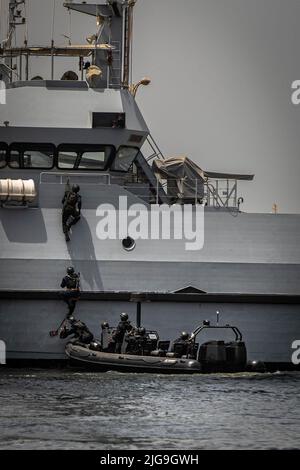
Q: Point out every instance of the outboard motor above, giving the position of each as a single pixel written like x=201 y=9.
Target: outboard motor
x=218 y=356
x=212 y=356
x=236 y=355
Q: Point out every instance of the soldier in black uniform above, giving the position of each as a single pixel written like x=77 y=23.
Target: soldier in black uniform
x=71 y=284
x=71 y=209
x=79 y=330
x=182 y=344
x=123 y=327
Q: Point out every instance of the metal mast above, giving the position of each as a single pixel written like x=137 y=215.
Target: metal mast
x=15 y=18
x=128 y=42
x=110 y=49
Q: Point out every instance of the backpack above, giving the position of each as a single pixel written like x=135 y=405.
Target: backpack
x=73 y=281
x=71 y=199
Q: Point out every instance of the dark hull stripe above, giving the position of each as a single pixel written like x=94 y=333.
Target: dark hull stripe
x=156 y=297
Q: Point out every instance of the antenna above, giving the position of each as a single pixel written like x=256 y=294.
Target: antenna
x=16 y=17
x=52 y=40
x=128 y=39
x=110 y=51
x=218 y=317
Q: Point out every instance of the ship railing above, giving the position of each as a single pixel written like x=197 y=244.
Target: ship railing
x=218 y=193
x=145 y=190
x=153 y=151
x=114 y=72
x=221 y=193
x=211 y=193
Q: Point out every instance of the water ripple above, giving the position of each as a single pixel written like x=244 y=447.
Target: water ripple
x=63 y=409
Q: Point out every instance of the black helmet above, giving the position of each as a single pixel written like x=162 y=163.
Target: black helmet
x=141 y=331
x=104 y=325
x=72 y=319
x=75 y=188
x=70 y=270
x=124 y=316
x=184 y=335
x=86 y=65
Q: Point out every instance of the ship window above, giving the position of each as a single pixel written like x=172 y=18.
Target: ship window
x=14 y=159
x=124 y=158
x=82 y=157
x=112 y=120
x=67 y=159
x=136 y=138
x=40 y=156
x=3 y=151
x=92 y=160
x=37 y=159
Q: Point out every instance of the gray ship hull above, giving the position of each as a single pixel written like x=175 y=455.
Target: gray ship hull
x=242 y=253
x=269 y=329
x=252 y=254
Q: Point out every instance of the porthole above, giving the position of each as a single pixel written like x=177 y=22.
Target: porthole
x=128 y=244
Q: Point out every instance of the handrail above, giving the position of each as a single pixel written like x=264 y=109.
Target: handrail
x=237 y=332
x=66 y=175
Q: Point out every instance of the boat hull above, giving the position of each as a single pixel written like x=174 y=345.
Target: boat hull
x=103 y=362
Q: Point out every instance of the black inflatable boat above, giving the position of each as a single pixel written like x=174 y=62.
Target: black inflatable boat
x=211 y=356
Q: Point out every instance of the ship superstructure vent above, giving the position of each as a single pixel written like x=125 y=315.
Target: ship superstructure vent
x=189 y=290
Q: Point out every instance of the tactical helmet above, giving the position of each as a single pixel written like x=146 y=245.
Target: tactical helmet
x=70 y=270
x=75 y=188
x=72 y=319
x=184 y=335
x=124 y=316
x=141 y=331
x=104 y=325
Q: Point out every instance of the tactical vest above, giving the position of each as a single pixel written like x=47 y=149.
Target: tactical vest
x=73 y=282
x=71 y=199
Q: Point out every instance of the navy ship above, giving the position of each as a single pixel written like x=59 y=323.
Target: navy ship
x=87 y=129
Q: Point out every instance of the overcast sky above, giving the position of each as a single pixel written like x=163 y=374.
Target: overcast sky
x=221 y=75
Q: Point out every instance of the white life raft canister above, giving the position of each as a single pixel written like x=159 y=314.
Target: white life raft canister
x=17 y=190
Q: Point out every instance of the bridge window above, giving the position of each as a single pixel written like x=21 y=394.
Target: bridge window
x=3 y=151
x=83 y=157
x=14 y=159
x=67 y=160
x=112 y=120
x=124 y=158
x=39 y=156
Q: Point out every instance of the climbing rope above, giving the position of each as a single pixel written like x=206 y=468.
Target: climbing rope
x=53 y=22
x=70 y=27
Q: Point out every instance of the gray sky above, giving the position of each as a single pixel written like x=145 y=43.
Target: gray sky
x=221 y=75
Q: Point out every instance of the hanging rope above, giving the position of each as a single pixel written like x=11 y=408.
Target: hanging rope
x=52 y=41
x=53 y=22
x=26 y=22
x=4 y=23
x=70 y=26
x=1 y=16
x=131 y=44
